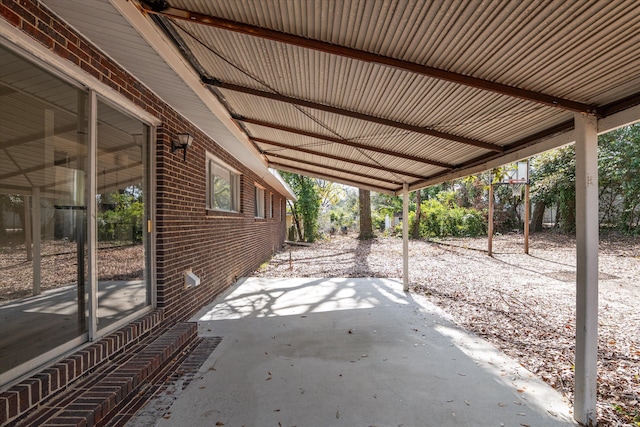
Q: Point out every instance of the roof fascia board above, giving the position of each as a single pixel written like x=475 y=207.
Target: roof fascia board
x=318 y=45
x=617 y=120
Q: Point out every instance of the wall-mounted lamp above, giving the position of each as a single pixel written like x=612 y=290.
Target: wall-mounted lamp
x=184 y=141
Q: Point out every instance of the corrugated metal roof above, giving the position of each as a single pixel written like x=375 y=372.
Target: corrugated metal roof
x=456 y=83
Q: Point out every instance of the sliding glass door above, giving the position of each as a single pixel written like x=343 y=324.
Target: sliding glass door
x=50 y=163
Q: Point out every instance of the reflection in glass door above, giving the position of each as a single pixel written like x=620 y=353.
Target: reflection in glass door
x=121 y=221
x=43 y=166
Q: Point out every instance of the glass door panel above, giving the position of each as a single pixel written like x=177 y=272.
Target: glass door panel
x=121 y=178
x=43 y=165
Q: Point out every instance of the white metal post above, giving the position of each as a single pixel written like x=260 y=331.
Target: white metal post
x=36 y=230
x=28 y=240
x=587 y=269
x=405 y=236
x=490 y=225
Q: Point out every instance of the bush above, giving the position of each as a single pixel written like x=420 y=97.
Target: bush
x=442 y=218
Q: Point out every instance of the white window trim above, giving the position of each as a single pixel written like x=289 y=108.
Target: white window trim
x=236 y=176
x=259 y=201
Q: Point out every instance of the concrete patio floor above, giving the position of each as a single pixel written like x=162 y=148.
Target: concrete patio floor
x=352 y=352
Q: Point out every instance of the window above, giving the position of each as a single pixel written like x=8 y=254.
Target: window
x=270 y=207
x=223 y=192
x=259 y=202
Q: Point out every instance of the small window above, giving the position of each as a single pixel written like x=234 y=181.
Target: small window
x=270 y=207
x=223 y=192
x=259 y=202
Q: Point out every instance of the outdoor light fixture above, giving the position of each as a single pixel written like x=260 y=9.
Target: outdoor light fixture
x=184 y=141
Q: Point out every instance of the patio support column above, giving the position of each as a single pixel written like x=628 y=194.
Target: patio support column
x=405 y=236
x=587 y=269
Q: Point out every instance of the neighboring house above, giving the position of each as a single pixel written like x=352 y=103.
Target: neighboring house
x=93 y=152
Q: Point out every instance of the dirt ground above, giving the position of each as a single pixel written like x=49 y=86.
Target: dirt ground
x=59 y=265
x=523 y=304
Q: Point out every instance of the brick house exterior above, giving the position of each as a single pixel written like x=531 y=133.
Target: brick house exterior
x=219 y=247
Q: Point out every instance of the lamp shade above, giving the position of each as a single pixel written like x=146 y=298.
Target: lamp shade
x=185 y=139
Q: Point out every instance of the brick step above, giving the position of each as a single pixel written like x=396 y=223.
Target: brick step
x=160 y=391
x=94 y=400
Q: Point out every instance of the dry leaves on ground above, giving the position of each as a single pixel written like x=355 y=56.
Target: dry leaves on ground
x=523 y=304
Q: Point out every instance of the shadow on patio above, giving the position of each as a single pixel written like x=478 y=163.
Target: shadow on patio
x=353 y=352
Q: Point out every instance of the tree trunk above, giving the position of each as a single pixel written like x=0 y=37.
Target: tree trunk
x=366 y=229
x=537 y=217
x=416 y=222
x=295 y=219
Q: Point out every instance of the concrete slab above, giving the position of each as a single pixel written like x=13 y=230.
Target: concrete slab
x=352 y=352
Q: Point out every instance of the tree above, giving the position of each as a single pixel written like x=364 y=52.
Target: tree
x=416 y=222
x=366 y=230
x=553 y=181
x=307 y=205
x=619 y=178
x=553 y=177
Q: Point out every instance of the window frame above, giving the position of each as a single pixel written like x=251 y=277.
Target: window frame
x=259 y=198
x=235 y=184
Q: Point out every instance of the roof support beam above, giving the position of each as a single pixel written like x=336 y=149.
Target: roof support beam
x=162 y=8
x=363 y=175
x=352 y=114
x=330 y=177
x=341 y=159
x=343 y=142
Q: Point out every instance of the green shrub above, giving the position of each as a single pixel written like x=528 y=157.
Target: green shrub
x=442 y=218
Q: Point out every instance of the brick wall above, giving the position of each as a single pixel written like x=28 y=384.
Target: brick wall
x=218 y=247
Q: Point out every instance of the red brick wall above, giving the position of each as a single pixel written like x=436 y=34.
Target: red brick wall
x=219 y=248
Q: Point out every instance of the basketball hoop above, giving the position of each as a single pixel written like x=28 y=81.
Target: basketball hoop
x=516 y=186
